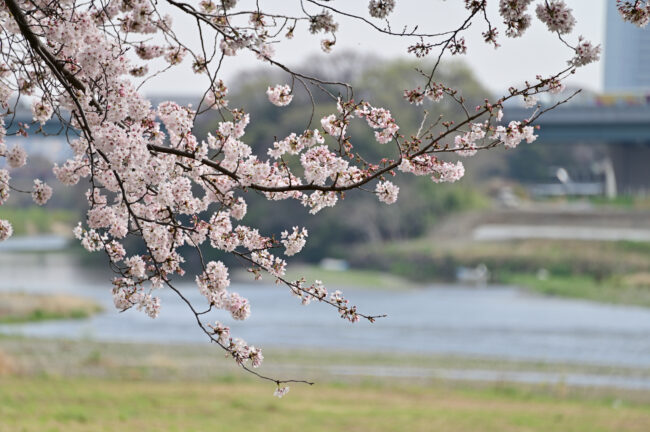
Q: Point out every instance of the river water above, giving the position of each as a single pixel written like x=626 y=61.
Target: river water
x=496 y=322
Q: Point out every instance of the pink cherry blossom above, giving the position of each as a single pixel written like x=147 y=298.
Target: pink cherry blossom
x=295 y=241
x=41 y=192
x=386 y=192
x=556 y=15
x=5 y=230
x=280 y=392
x=280 y=95
x=16 y=157
x=41 y=111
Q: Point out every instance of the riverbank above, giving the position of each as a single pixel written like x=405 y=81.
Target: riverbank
x=349 y=278
x=608 y=272
x=35 y=220
x=633 y=289
x=88 y=386
x=87 y=358
x=17 y=307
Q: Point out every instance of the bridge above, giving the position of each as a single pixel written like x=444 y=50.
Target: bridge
x=618 y=128
x=578 y=122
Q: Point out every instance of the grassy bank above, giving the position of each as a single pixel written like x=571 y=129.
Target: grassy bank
x=35 y=220
x=24 y=307
x=87 y=358
x=425 y=259
x=366 y=279
x=91 y=404
x=58 y=385
x=352 y=278
x=618 y=290
x=613 y=272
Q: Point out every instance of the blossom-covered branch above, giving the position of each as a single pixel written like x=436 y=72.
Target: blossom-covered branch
x=151 y=177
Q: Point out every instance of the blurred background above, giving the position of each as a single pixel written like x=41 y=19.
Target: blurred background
x=517 y=298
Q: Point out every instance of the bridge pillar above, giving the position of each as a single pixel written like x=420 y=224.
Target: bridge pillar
x=631 y=164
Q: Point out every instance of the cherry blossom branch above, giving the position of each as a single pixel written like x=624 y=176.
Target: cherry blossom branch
x=152 y=178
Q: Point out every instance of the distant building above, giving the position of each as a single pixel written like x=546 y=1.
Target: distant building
x=627 y=55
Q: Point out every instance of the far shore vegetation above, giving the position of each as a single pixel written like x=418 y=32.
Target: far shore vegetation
x=38 y=220
x=29 y=307
x=609 y=272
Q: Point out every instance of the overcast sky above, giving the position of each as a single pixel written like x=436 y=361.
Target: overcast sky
x=538 y=52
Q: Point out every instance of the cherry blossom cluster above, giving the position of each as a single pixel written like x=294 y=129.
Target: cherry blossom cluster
x=516 y=132
x=294 y=242
x=585 y=53
x=316 y=291
x=5 y=190
x=280 y=95
x=380 y=8
x=294 y=144
x=465 y=144
x=127 y=295
x=5 y=230
x=434 y=93
x=386 y=192
x=16 y=157
x=379 y=118
x=216 y=95
x=320 y=164
x=557 y=16
x=41 y=111
x=212 y=284
x=514 y=16
x=348 y=313
x=637 y=12
x=281 y=392
x=243 y=353
x=440 y=171
x=41 y=192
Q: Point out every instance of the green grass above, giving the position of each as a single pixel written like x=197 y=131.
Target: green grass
x=23 y=307
x=622 y=201
x=600 y=259
x=365 y=279
x=58 y=385
x=610 y=290
x=91 y=404
x=44 y=315
x=612 y=272
x=32 y=220
x=626 y=202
